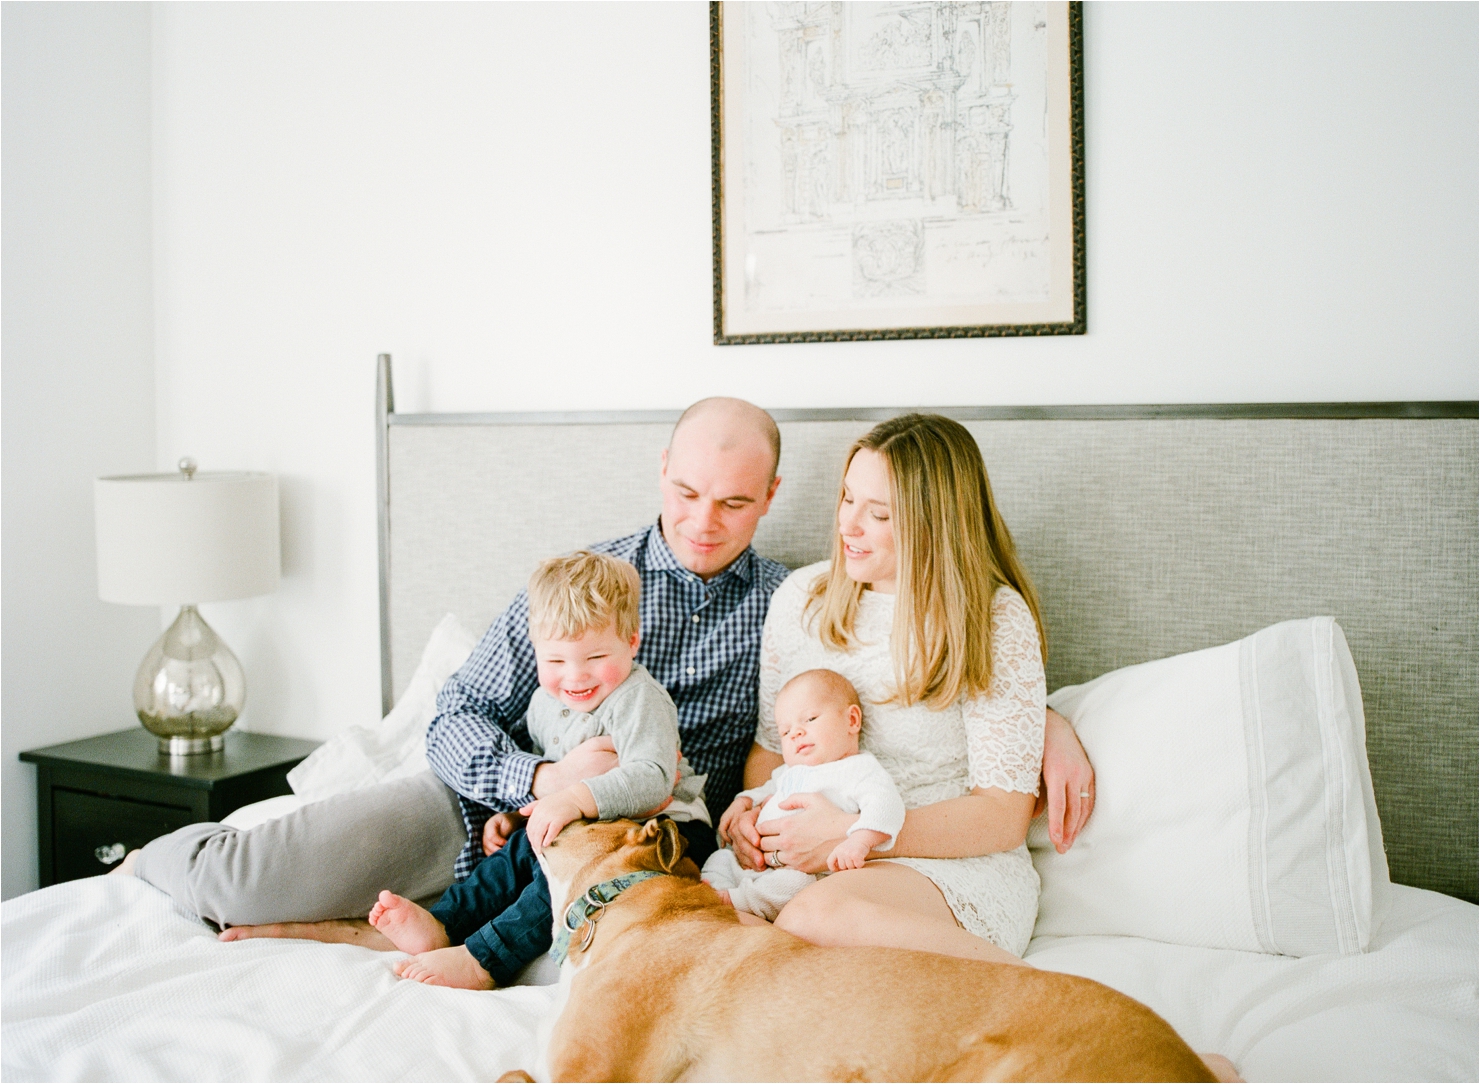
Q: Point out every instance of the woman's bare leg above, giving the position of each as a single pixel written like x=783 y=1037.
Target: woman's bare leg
x=888 y=905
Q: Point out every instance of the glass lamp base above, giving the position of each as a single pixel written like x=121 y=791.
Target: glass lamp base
x=190 y=687
x=180 y=747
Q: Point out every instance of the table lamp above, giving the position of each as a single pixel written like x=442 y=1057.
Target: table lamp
x=183 y=539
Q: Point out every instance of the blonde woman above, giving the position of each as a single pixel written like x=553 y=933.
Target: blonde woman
x=925 y=607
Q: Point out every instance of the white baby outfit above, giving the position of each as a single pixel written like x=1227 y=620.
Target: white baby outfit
x=994 y=740
x=857 y=784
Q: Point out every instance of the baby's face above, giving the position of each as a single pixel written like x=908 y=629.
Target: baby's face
x=581 y=673
x=817 y=726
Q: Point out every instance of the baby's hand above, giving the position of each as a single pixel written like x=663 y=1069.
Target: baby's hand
x=497 y=830
x=740 y=805
x=851 y=853
x=549 y=815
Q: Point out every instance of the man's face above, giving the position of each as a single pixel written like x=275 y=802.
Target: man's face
x=713 y=497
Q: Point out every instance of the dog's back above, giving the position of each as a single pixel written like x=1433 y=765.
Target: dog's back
x=758 y=1004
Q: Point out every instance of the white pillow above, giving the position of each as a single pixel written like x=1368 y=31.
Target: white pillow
x=1233 y=806
x=395 y=746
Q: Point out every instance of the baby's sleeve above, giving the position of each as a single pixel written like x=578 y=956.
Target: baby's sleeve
x=644 y=727
x=880 y=808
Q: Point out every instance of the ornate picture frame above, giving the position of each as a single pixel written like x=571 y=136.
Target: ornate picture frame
x=896 y=170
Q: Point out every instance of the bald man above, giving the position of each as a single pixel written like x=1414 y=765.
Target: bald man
x=705 y=593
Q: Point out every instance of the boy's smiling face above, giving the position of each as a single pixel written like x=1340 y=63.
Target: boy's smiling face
x=581 y=673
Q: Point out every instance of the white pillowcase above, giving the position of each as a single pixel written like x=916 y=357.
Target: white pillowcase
x=1234 y=806
x=393 y=747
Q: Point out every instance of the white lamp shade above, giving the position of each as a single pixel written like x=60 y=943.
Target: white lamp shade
x=164 y=539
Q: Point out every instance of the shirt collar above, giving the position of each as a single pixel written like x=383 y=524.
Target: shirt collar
x=659 y=556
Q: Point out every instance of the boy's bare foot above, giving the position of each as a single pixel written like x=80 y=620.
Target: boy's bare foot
x=1221 y=1067
x=336 y=931
x=410 y=927
x=126 y=867
x=453 y=967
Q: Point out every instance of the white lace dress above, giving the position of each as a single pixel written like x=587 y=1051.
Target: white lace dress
x=994 y=740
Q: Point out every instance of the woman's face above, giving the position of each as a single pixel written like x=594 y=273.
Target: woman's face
x=865 y=521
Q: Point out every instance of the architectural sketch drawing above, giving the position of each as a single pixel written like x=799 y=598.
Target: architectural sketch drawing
x=894 y=152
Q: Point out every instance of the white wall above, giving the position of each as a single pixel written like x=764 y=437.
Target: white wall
x=78 y=372
x=513 y=199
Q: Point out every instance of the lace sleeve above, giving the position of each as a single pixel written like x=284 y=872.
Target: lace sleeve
x=1004 y=729
x=771 y=678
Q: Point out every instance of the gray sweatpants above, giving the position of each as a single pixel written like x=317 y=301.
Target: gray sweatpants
x=329 y=859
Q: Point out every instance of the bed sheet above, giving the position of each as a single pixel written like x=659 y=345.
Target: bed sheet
x=1404 y=1010
x=105 y=979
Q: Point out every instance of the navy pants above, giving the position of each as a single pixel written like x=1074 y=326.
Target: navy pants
x=501 y=913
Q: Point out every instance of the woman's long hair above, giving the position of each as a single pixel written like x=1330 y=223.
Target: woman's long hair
x=953 y=551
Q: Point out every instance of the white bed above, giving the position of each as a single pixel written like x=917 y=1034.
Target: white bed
x=105 y=979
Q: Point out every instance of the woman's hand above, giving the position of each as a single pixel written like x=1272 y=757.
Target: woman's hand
x=740 y=805
x=1068 y=782
x=805 y=839
x=745 y=840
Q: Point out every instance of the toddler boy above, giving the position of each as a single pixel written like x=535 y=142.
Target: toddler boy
x=583 y=623
x=819 y=718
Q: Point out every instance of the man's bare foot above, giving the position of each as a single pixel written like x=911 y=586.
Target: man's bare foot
x=336 y=931
x=453 y=967
x=410 y=927
x=1221 y=1067
x=126 y=867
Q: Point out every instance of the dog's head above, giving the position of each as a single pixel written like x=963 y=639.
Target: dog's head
x=589 y=852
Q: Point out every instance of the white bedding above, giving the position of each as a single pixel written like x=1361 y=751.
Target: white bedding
x=104 y=979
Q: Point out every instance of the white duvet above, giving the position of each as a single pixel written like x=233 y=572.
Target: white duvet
x=104 y=979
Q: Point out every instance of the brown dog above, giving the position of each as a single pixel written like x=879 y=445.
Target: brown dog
x=664 y=983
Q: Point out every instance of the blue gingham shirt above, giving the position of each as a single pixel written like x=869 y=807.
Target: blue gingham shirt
x=702 y=641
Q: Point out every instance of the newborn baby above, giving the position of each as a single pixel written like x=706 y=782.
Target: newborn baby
x=819 y=717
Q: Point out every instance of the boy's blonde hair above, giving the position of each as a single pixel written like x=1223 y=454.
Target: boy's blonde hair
x=576 y=592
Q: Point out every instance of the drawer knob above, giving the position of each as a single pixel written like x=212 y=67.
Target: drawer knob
x=110 y=854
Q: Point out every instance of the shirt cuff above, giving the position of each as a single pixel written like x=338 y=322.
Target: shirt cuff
x=516 y=777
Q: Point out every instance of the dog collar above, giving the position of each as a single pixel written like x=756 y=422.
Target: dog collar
x=590 y=907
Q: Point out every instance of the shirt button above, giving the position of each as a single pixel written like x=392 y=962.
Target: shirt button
x=691 y=669
x=696 y=619
x=566 y=711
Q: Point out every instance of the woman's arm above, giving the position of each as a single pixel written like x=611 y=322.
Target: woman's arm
x=1068 y=782
x=743 y=837
x=985 y=821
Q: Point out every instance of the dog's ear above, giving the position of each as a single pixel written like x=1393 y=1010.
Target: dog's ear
x=668 y=842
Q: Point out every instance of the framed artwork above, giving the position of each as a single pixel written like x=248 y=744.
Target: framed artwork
x=896 y=170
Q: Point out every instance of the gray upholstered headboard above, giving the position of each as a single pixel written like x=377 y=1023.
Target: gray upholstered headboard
x=1148 y=531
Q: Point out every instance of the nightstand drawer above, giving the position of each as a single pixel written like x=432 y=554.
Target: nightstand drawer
x=89 y=827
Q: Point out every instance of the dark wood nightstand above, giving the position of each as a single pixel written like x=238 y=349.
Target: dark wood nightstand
x=99 y=798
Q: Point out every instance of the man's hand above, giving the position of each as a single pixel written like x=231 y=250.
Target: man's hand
x=1068 y=782
x=549 y=815
x=497 y=830
x=853 y=852
x=740 y=805
x=593 y=757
